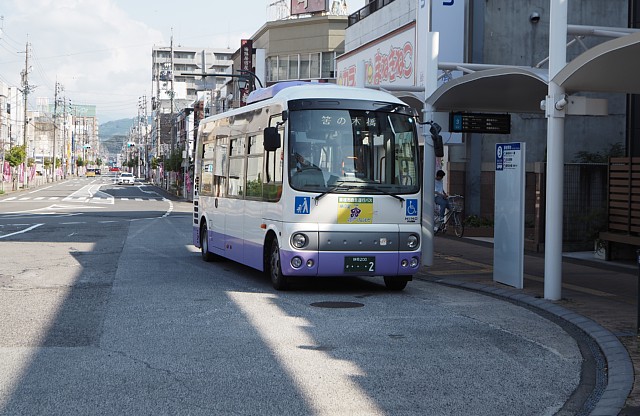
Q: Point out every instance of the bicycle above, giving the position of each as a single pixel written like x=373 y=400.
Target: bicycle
x=453 y=215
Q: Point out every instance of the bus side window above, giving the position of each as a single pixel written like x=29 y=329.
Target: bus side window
x=273 y=165
x=236 y=167
x=255 y=154
x=220 y=167
x=206 y=185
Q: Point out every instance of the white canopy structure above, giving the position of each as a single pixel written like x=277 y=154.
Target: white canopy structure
x=612 y=66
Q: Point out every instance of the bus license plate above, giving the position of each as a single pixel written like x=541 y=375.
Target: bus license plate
x=359 y=264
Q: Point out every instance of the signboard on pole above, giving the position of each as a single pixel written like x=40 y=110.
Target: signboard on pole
x=508 y=231
x=246 y=64
x=480 y=123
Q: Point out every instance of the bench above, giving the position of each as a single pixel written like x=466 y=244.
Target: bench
x=611 y=237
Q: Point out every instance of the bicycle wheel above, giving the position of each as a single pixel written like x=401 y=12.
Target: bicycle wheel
x=458 y=224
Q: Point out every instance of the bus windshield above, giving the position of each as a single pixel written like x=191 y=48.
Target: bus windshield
x=353 y=151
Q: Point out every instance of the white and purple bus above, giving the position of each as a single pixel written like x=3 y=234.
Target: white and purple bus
x=311 y=180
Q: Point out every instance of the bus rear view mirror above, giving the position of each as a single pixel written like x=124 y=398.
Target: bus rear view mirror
x=271 y=139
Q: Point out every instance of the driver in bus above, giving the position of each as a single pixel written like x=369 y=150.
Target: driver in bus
x=302 y=156
x=304 y=172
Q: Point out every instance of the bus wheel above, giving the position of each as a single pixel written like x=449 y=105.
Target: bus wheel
x=204 y=245
x=278 y=280
x=395 y=282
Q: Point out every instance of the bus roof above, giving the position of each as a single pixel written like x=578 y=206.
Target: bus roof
x=291 y=90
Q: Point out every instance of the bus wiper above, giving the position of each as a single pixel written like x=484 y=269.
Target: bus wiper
x=339 y=184
x=375 y=188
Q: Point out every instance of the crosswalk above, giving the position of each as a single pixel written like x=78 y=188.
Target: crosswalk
x=94 y=199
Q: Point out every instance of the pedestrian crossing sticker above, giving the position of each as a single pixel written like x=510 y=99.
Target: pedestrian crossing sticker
x=302 y=204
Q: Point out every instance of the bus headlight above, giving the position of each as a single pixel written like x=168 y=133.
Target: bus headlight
x=413 y=241
x=299 y=240
x=414 y=262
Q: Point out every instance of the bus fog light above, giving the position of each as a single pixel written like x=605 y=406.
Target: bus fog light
x=404 y=263
x=310 y=263
x=412 y=241
x=299 y=240
x=296 y=262
x=414 y=262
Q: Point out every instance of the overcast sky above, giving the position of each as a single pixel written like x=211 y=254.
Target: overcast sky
x=100 y=50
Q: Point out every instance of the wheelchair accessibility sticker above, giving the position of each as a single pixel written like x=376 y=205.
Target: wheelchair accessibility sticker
x=355 y=210
x=303 y=204
x=411 y=210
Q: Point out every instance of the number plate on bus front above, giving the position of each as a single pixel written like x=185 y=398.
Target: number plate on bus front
x=359 y=264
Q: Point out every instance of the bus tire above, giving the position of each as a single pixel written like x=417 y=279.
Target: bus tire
x=395 y=282
x=204 y=245
x=278 y=280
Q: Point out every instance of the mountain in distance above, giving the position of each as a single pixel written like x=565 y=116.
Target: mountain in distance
x=114 y=134
x=119 y=127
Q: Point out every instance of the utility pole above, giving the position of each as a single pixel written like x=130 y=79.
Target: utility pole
x=63 y=159
x=171 y=95
x=172 y=115
x=25 y=93
x=156 y=104
x=55 y=116
x=143 y=119
x=2 y=109
x=139 y=135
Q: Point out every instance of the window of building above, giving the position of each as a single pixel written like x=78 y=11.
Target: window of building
x=328 y=65
x=314 y=65
x=283 y=67
x=272 y=68
x=293 y=67
x=304 y=66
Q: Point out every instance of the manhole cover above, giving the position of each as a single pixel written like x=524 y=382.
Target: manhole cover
x=337 y=304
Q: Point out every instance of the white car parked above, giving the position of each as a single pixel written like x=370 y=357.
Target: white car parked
x=126 y=178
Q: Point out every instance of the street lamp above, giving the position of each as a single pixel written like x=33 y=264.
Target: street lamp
x=242 y=82
x=252 y=75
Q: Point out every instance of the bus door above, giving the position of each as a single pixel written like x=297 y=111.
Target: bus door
x=217 y=219
x=235 y=210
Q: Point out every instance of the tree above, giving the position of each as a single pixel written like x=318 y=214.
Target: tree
x=79 y=162
x=16 y=155
x=614 y=150
x=174 y=162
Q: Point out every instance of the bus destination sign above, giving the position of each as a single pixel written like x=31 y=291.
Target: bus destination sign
x=480 y=123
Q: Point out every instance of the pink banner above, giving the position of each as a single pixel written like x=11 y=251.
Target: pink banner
x=6 y=172
x=187 y=179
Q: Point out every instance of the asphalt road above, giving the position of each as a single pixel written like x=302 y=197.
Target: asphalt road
x=107 y=309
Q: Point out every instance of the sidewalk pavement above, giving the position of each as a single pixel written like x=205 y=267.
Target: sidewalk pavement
x=599 y=297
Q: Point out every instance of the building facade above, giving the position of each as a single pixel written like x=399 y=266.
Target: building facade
x=182 y=76
x=496 y=33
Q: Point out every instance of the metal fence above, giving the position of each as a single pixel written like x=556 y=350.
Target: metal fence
x=585 y=201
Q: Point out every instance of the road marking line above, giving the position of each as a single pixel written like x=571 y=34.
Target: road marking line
x=23 y=231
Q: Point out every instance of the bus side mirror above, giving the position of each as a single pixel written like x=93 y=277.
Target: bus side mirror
x=271 y=139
